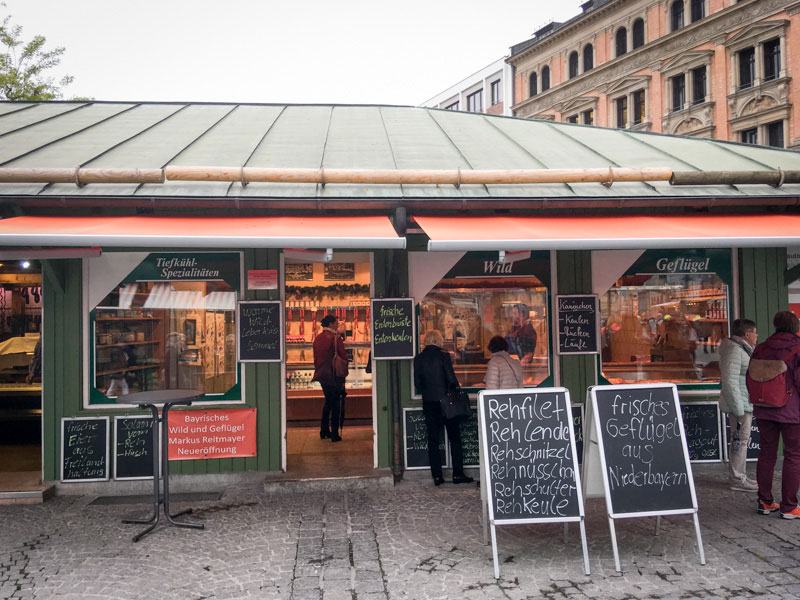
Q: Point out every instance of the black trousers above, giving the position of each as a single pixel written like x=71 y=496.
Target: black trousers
x=435 y=424
x=330 y=410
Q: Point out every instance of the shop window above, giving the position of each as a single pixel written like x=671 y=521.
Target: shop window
x=678 y=85
x=496 y=91
x=775 y=134
x=622 y=112
x=747 y=67
x=545 y=79
x=532 y=85
x=664 y=319
x=573 y=64
x=699 y=85
x=621 y=41
x=475 y=102
x=676 y=15
x=638 y=107
x=588 y=117
x=749 y=136
x=772 y=59
x=698 y=10
x=572 y=119
x=638 y=33
x=588 y=58
x=479 y=298
x=170 y=324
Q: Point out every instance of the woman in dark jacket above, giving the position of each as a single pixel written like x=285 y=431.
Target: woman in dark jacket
x=434 y=377
x=784 y=421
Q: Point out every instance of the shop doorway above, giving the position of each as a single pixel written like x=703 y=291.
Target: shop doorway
x=341 y=288
x=20 y=375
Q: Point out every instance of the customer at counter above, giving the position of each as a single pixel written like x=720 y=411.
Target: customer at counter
x=503 y=371
x=328 y=343
x=522 y=337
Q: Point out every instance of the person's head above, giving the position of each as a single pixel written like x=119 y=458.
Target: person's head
x=786 y=322
x=519 y=312
x=329 y=322
x=433 y=337
x=497 y=344
x=745 y=329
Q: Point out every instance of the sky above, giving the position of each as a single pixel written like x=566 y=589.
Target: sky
x=313 y=51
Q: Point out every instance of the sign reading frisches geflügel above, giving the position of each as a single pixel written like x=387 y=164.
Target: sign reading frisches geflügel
x=528 y=459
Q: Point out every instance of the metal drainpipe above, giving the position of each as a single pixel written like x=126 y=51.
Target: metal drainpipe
x=393 y=291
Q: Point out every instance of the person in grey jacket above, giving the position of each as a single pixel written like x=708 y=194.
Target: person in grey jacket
x=734 y=353
x=503 y=371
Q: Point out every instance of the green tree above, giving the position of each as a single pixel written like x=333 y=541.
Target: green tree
x=24 y=66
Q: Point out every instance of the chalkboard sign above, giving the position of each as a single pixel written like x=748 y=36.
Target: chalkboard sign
x=753 y=444
x=393 y=328
x=577 y=430
x=578 y=325
x=133 y=447
x=260 y=331
x=643 y=452
x=84 y=449
x=701 y=424
x=415 y=444
x=469 y=440
x=529 y=456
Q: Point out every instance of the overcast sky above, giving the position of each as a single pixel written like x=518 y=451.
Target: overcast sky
x=318 y=51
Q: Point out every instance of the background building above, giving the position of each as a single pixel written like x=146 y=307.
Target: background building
x=705 y=68
x=484 y=91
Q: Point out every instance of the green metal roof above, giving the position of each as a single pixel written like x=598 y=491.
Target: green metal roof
x=156 y=135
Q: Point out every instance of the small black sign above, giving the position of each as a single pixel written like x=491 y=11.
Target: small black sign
x=701 y=424
x=393 y=328
x=577 y=430
x=753 y=444
x=340 y=271
x=260 y=331
x=299 y=271
x=415 y=434
x=642 y=442
x=133 y=448
x=469 y=440
x=528 y=455
x=578 y=325
x=84 y=449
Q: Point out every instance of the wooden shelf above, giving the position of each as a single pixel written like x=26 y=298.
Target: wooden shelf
x=134 y=368
x=126 y=344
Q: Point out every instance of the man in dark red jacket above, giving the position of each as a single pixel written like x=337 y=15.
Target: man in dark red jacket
x=326 y=344
x=777 y=422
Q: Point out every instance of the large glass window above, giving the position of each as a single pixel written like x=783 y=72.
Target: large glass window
x=532 y=85
x=170 y=324
x=699 y=85
x=664 y=318
x=747 y=68
x=678 y=84
x=588 y=57
x=475 y=102
x=621 y=41
x=545 y=78
x=573 y=64
x=639 y=111
x=622 y=112
x=480 y=298
x=676 y=15
x=772 y=59
x=698 y=9
x=775 y=134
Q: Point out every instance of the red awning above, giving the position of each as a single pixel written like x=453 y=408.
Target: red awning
x=608 y=232
x=202 y=231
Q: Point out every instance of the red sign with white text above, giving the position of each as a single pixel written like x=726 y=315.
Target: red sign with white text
x=224 y=433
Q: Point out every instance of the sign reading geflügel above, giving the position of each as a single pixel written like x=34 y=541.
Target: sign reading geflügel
x=84 y=449
x=393 y=328
x=643 y=450
x=529 y=455
x=260 y=336
x=578 y=325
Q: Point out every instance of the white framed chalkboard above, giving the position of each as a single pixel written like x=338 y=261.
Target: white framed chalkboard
x=393 y=328
x=133 y=447
x=260 y=331
x=84 y=449
x=578 y=324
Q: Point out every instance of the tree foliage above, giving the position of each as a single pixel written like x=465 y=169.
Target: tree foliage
x=24 y=66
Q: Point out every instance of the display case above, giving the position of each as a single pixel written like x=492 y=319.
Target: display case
x=129 y=348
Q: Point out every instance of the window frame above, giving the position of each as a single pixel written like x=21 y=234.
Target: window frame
x=621 y=42
x=533 y=84
x=496 y=92
x=621 y=111
x=545 y=78
x=677 y=18
x=643 y=41
x=590 y=55
x=677 y=93
x=573 y=64
x=471 y=101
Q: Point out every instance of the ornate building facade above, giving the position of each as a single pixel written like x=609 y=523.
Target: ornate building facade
x=705 y=68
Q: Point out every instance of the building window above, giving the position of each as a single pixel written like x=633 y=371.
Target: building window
x=496 y=91
x=772 y=59
x=749 y=136
x=588 y=117
x=747 y=67
x=676 y=15
x=453 y=106
x=545 y=79
x=622 y=112
x=775 y=134
x=621 y=39
x=588 y=58
x=532 y=85
x=698 y=10
x=475 y=102
x=572 y=119
x=573 y=64
x=678 y=84
x=699 y=85
x=638 y=107
x=638 y=33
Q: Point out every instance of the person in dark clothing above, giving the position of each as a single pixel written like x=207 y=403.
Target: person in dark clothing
x=434 y=377
x=522 y=337
x=326 y=344
x=780 y=422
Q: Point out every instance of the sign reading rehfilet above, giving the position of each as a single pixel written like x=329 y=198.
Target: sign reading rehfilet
x=199 y=434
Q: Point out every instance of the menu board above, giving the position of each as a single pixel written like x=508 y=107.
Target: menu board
x=133 y=447
x=529 y=456
x=701 y=424
x=84 y=449
x=469 y=440
x=415 y=440
x=753 y=444
x=260 y=336
x=578 y=325
x=577 y=430
x=393 y=328
x=643 y=450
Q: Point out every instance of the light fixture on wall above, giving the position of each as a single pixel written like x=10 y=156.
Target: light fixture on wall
x=25 y=264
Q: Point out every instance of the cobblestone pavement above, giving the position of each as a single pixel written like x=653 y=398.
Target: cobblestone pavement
x=414 y=541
